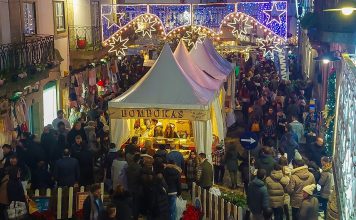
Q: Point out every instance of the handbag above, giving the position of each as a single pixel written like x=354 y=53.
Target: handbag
x=255 y=127
x=16 y=210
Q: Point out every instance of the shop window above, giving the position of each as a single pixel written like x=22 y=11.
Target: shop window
x=49 y=103
x=29 y=18
x=59 y=13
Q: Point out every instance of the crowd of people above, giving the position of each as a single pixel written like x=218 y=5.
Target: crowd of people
x=289 y=169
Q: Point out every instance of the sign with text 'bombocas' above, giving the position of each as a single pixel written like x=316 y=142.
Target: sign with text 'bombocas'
x=178 y=114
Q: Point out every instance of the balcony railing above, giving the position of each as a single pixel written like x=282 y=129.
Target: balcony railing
x=34 y=51
x=87 y=38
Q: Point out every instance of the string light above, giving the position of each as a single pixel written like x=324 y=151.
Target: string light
x=118 y=46
x=268 y=45
x=239 y=26
x=271 y=13
x=210 y=16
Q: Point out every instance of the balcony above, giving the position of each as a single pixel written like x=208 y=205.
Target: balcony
x=27 y=62
x=85 y=44
x=36 y=51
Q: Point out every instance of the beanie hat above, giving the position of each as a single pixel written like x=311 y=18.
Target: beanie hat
x=309 y=189
x=297 y=155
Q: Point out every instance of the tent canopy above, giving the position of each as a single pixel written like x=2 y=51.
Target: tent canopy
x=182 y=56
x=217 y=59
x=165 y=86
x=204 y=61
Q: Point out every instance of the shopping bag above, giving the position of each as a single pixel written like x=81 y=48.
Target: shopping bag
x=181 y=206
x=32 y=207
x=16 y=210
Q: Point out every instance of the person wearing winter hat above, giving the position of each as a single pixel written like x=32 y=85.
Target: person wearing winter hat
x=310 y=205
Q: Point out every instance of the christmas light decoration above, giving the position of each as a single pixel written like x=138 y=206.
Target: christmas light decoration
x=118 y=46
x=211 y=16
x=240 y=27
x=268 y=45
x=329 y=112
x=146 y=26
x=194 y=37
x=274 y=14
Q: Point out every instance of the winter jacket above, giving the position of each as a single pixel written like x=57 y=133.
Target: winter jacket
x=133 y=174
x=93 y=208
x=4 y=200
x=66 y=171
x=118 y=173
x=205 y=174
x=288 y=144
x=257 y=196
x=265 y=162
x=276 y=183
x=231 y=158
x=309 y=209
x=73 y=133
x=123 y=203
x=298 y=129
x=316 y=153
x=177 y=157
x=86 y=166
x=326 y=182
x=172 y=177
x=300 y=178
x=91 y=138
x=112 y=154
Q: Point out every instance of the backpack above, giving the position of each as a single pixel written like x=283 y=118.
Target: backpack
x=255 y=127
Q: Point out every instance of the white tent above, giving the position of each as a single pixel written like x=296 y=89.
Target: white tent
x=182 y=56
x=218 y=60
x=165 y=89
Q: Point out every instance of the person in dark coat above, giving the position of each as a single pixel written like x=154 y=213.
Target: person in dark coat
x=76 y=130
x=265 y=160
x=231 y=158
x=123 y=203
x=49 y=142
x=41 y=178
x=93 y=208
x=112 y=154
x=172 y=177
x=317 y=151
x=133 y=174
x=158 y=199
x=257 y=195
x=16 y=172
x=86 y=165
x=66 y=170
x=205 y=173
x=288 y=143
x=176 y=156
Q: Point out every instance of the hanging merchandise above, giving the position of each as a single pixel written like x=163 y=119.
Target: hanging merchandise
x=92 y=77
x=72 y=97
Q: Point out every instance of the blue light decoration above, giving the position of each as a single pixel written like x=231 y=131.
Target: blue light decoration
x=269 y=15
x=272 y=15
x=172 y=16
x=211 y=15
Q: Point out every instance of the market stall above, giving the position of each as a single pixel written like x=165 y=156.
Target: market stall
x=203 y=79
x=165 y=96
x=209 y=61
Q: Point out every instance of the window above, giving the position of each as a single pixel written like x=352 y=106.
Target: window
x=49 y=103
x=59 y=16
x=29 y=18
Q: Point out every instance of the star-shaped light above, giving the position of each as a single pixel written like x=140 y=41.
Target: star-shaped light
x=239 y=26
x=194 y=36
x=274 y=14
x=269 y=45
x=118 y=46
x=112 y=17
x=146 y=26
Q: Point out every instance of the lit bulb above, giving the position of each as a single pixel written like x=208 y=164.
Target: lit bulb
x=347 y=11
x=326 y=61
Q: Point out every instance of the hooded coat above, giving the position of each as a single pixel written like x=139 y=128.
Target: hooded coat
x=265 y=162
x=257 y=196
x=309 y=209
x=300 y=178
x=276 y=183
x=326 y=182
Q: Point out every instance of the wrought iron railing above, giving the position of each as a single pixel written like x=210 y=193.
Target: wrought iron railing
x=87 y=38
x=33 y=51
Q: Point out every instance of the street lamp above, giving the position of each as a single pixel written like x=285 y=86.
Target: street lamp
x=346 y=7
